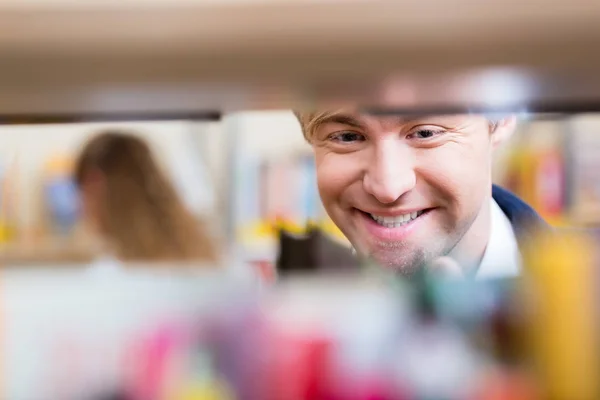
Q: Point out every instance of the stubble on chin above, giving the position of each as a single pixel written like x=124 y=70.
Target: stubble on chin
x=398 y=258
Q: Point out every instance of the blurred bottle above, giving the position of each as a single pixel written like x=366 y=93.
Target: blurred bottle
x=4 y=228
x=61 y=196
x=562 y=334
x=8 y=179
x=536 y=169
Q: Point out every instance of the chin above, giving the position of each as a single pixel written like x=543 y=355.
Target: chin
x=403 y=264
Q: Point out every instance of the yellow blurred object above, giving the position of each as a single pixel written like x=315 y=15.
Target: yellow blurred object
x=332 y=229
x=6 y=232
x=59 y=165
x=529 y=174
x=256 y=231
x=261 y=230
x=291 y=227
x=535 y=169
x=204 y=392
x=563 y=334
x=8 y=202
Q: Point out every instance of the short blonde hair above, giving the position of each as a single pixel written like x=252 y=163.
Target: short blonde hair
x=310 y=121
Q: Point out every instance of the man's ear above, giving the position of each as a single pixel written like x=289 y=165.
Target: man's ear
x=503 y=130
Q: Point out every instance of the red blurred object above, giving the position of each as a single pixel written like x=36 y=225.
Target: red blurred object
x=550 y=185
x=299 y=367
x=368 y=388
x=265 y=269
x=150 y=357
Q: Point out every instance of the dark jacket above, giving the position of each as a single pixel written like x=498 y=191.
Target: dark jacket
x=524 y=219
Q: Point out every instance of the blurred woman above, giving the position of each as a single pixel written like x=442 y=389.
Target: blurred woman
x=132 y=205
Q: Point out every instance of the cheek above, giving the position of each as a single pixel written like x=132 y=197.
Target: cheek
x=461 y=171
x=335 y=174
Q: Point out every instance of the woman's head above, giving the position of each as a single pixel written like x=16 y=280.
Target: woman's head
x=128 y=200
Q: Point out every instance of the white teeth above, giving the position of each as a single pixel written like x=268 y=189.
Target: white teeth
x=394 y=222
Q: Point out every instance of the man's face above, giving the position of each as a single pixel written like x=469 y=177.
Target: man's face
x=405 y=191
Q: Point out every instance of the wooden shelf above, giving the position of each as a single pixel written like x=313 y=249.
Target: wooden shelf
x=159 y=58
x=45 y=252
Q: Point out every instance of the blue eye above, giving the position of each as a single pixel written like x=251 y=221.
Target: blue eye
x=348 y=137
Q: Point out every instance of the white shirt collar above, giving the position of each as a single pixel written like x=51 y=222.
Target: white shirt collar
x=501 y=258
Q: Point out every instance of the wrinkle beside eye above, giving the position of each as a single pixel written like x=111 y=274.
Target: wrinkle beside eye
x=455 y=138
x=442 y=139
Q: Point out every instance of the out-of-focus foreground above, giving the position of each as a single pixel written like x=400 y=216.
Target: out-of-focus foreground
x=197 y=336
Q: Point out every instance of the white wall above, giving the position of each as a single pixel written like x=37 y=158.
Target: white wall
x=269 y=134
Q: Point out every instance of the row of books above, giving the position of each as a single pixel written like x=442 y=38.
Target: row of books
x=278 y=194
x=552 y=164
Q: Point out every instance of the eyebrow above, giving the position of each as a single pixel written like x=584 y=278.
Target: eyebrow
x=343 y=120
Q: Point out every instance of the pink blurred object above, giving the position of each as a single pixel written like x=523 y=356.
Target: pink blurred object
x=152 y=361
x=298 y=367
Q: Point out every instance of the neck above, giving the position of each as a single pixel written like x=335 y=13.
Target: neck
x=469 y=251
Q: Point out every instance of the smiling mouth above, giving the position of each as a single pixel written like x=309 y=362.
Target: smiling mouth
x=396 y=221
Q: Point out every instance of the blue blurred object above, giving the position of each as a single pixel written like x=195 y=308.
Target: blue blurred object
x=62 y=199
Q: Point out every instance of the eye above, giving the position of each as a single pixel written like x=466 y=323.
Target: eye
x=347 y=137
x=424 y=134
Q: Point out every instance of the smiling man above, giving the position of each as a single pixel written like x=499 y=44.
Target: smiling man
x=409 y=192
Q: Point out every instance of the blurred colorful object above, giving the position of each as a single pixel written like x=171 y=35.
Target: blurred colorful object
x=536 y=168
x=563 y=338
x=553 y=165
x=61 y=195
x=279 y=195
x=357 y=336
x=8 y=181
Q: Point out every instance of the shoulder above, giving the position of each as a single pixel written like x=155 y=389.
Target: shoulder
x=521 y=215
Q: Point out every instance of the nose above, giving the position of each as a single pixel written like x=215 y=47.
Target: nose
x=390 y=172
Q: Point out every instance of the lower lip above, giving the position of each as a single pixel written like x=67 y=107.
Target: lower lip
x=393 y=234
